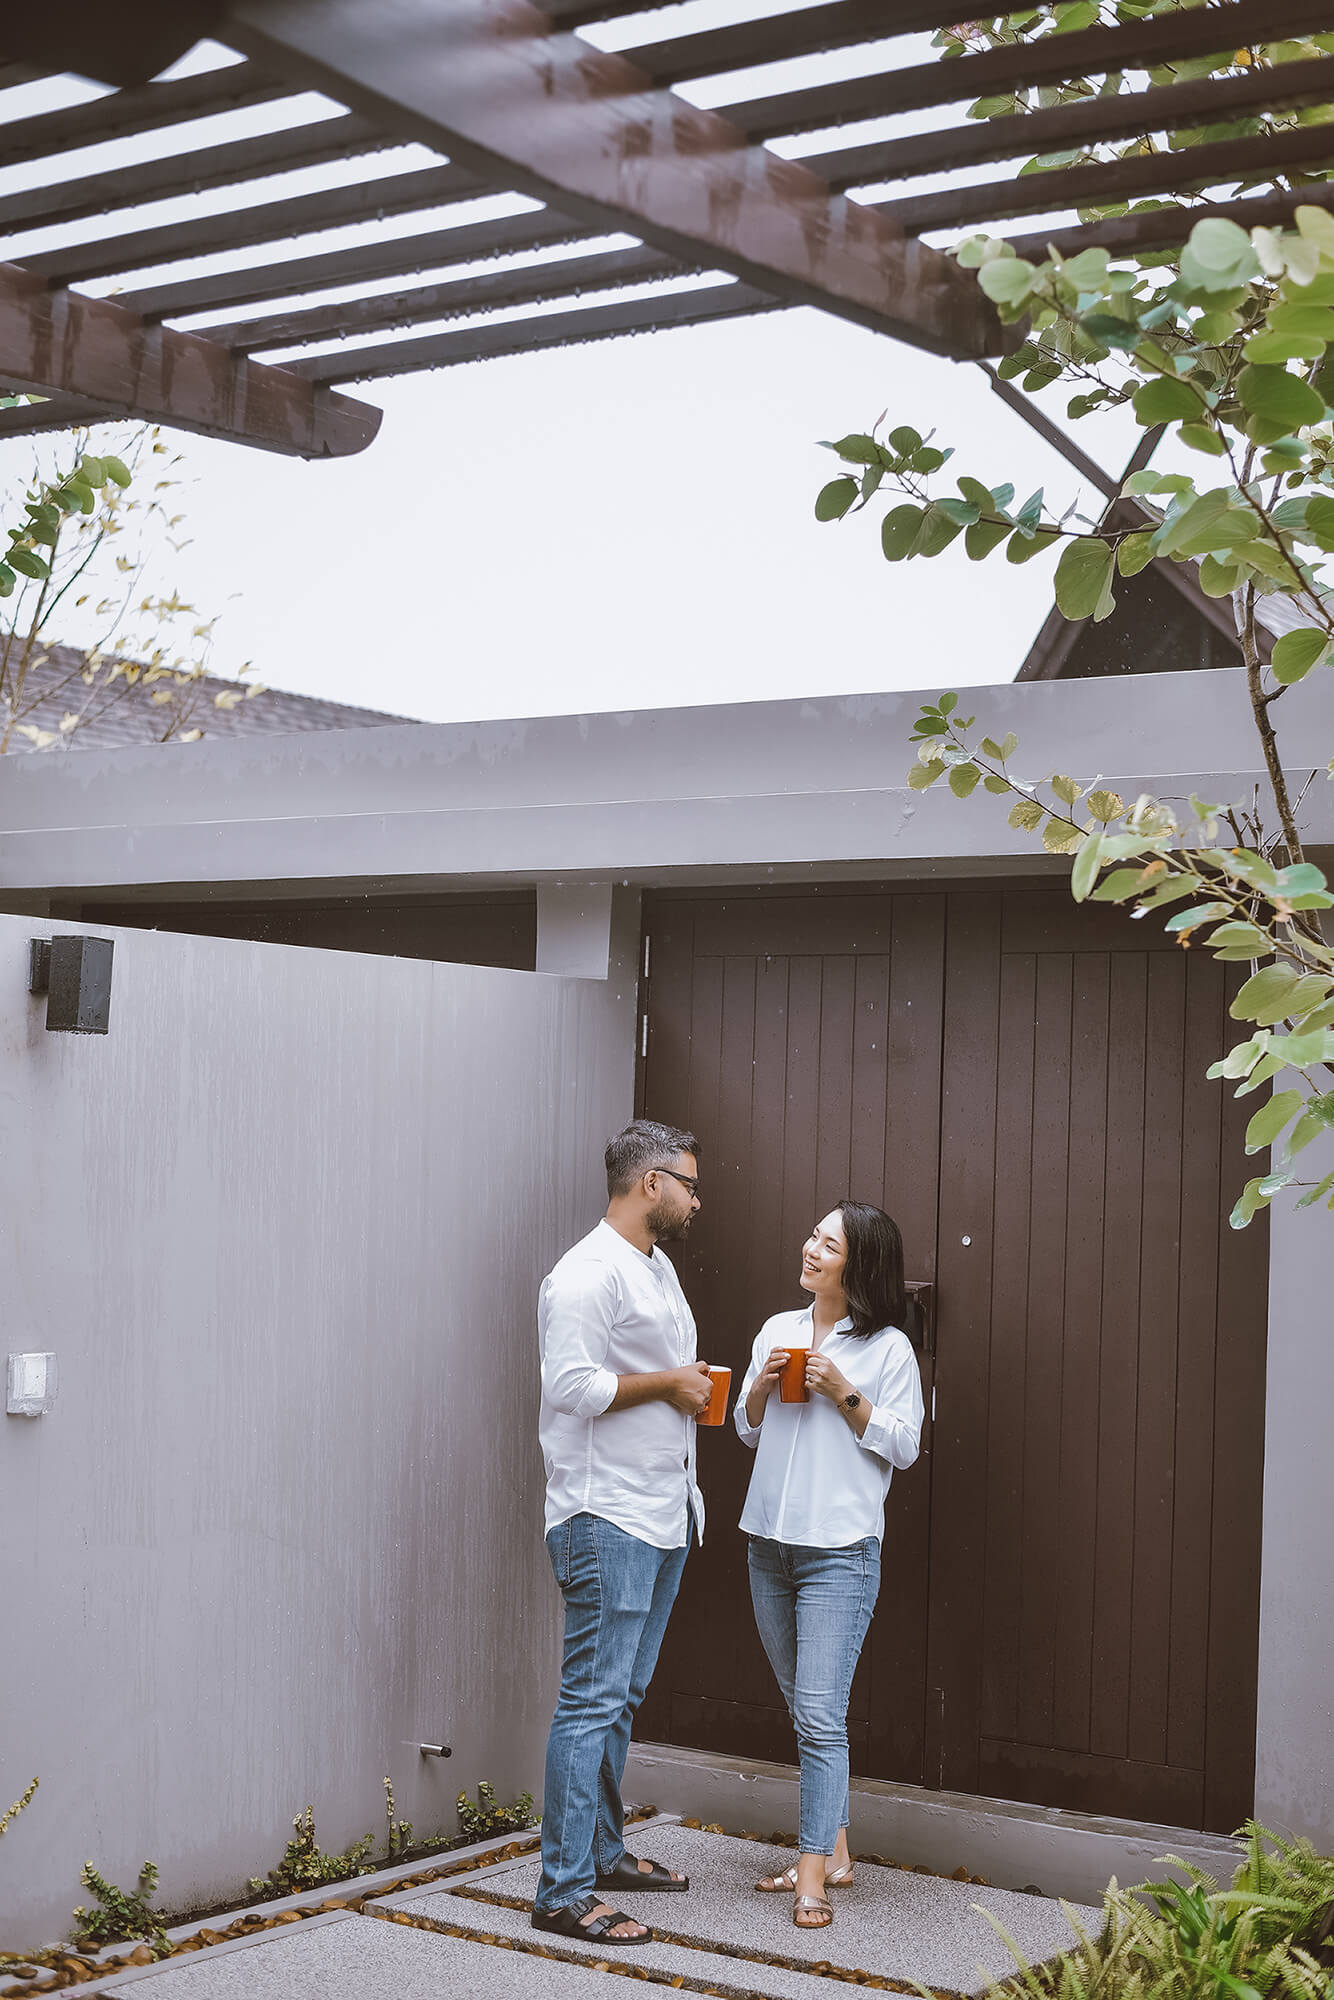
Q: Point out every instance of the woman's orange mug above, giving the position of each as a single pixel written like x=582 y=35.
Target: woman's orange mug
x=720 y=1381
x=792 y=1382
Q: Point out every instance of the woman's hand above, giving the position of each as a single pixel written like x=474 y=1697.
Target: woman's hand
x=823 y=1379
x=766 y=1381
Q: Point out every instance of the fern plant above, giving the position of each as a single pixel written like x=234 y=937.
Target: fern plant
x=121 y=1915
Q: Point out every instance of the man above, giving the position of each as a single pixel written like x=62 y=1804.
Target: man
x=621 y=1389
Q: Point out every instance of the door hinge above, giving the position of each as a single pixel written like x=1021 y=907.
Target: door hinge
x=643 y=1039
x=647 y=943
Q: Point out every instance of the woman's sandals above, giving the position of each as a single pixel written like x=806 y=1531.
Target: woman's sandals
x=809 y=1913
x=784 y=1884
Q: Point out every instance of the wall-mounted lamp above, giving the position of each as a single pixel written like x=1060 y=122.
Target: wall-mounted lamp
x=30 y=1384
x=75 y=975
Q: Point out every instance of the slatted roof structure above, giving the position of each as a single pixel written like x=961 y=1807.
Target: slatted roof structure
x=500 y=179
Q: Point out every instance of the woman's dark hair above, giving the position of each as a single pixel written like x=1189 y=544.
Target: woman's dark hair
x=873 y=1275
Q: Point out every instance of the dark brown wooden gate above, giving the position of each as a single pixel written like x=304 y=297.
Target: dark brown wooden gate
x=1070 y=1603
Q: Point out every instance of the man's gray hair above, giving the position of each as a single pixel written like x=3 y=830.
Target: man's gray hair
x=643 y=1145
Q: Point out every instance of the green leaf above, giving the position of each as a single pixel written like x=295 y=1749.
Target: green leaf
x=858 y=449
x=964 y=512
x=1219 y=255
x=1026 y=814
x=27 y=563
x=1024 y=546
x=1270 y=1119
x=975 y=493
x=922 y=775
x=963 y=780
x=1006 y=280
x=1085 y=871
x=1276 y=993
x=899 y=531
x=1066 y=790
x=1241 y=1060
x=936 y=532
x=1297 y=652
x=1295 y=1051
x=1163 y=399
x=1134 y=553
x=117 y=469
x=7 y=580
x=1267 y=349
x=1301 y=880
x=1119 y=886
x=1240 y=941
x=1217 y=579
x=1200 y=437
x=1281 y=402
x=905 y=440
x=983 y=537
x=1317 y=1193
x=1267 y=1068
x=1105 y=805
x=996 y=784
x=1082 y=575
x=1248 y=1202
x=833 y=501
x=1197 y=914
x=91 y=470
x=1009 y=744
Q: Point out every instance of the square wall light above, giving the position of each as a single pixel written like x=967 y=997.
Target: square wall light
x=75 y=975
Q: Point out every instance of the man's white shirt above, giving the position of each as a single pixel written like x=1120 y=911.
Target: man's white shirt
x=608 y=1310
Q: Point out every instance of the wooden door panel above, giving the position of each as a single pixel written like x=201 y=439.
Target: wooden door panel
x=808 y=1075
x=1069 y=1606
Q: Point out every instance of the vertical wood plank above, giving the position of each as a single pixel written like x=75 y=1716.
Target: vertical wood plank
x=966 y=1247
x=1081 y=1349
x=1118 y=1369
x=1045 y=1346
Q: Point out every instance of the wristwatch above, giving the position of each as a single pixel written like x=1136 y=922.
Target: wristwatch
x=852 y=1402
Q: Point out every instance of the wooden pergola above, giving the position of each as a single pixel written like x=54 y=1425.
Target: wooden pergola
x=512 y=100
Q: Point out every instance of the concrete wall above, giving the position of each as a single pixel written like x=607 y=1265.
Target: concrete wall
x=766 y=790
x=1294 y=1773
x=283 y=1228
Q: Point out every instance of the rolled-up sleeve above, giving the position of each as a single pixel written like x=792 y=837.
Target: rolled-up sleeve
x=894 y=1431
x=578 y=1312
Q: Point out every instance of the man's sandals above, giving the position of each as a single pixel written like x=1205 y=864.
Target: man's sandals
x=629 y=1874
x=570 y=1922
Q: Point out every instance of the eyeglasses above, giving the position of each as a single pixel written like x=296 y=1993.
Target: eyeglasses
x=687 y=1180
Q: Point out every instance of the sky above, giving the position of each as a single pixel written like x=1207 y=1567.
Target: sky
x=626 y=524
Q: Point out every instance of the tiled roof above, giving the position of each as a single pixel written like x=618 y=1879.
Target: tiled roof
x=120 y=719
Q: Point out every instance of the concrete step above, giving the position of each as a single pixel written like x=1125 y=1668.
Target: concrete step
x=888 y=1922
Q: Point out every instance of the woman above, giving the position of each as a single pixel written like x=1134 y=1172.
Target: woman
x=815 y=1509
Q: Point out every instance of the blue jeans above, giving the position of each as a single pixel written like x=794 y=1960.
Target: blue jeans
x=618 y=1593
x=812 y=1608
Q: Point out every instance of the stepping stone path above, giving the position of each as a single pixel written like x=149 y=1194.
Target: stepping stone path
x=470 y=1939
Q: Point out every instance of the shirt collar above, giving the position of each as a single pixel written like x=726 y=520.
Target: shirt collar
x=843 y=1325
x=613 y=1240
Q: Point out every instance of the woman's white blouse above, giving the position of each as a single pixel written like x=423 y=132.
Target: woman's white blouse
x=814 y=1482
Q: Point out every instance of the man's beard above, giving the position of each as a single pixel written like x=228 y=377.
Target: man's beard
x=665 y=1225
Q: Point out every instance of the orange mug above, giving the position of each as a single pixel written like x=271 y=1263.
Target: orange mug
x=792 y=1382
x=720 y=1381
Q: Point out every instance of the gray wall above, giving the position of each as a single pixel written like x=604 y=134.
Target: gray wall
x=1294 y=1771
x=758 y=790
x=283 y=1228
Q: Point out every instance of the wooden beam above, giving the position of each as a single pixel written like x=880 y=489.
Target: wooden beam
x=1303 y=149
x=487 y=341
x=1168 y=107
x=482 y=291
x=488 y=83
x=341 y=138
x=128 y=112
x=260 y=222
x=1166 y=228
x=324 y=269
x=62 y=344
x=1144 y=44
x=54 y=413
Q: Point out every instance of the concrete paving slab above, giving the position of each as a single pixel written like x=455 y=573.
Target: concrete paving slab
x=887 y=1921
x=368 y=1959
x=698 y=1965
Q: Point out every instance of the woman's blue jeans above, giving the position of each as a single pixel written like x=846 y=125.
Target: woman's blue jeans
x=813 y=1607
x=618 y=1594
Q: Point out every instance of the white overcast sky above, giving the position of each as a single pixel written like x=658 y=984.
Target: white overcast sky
x=623 y=525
